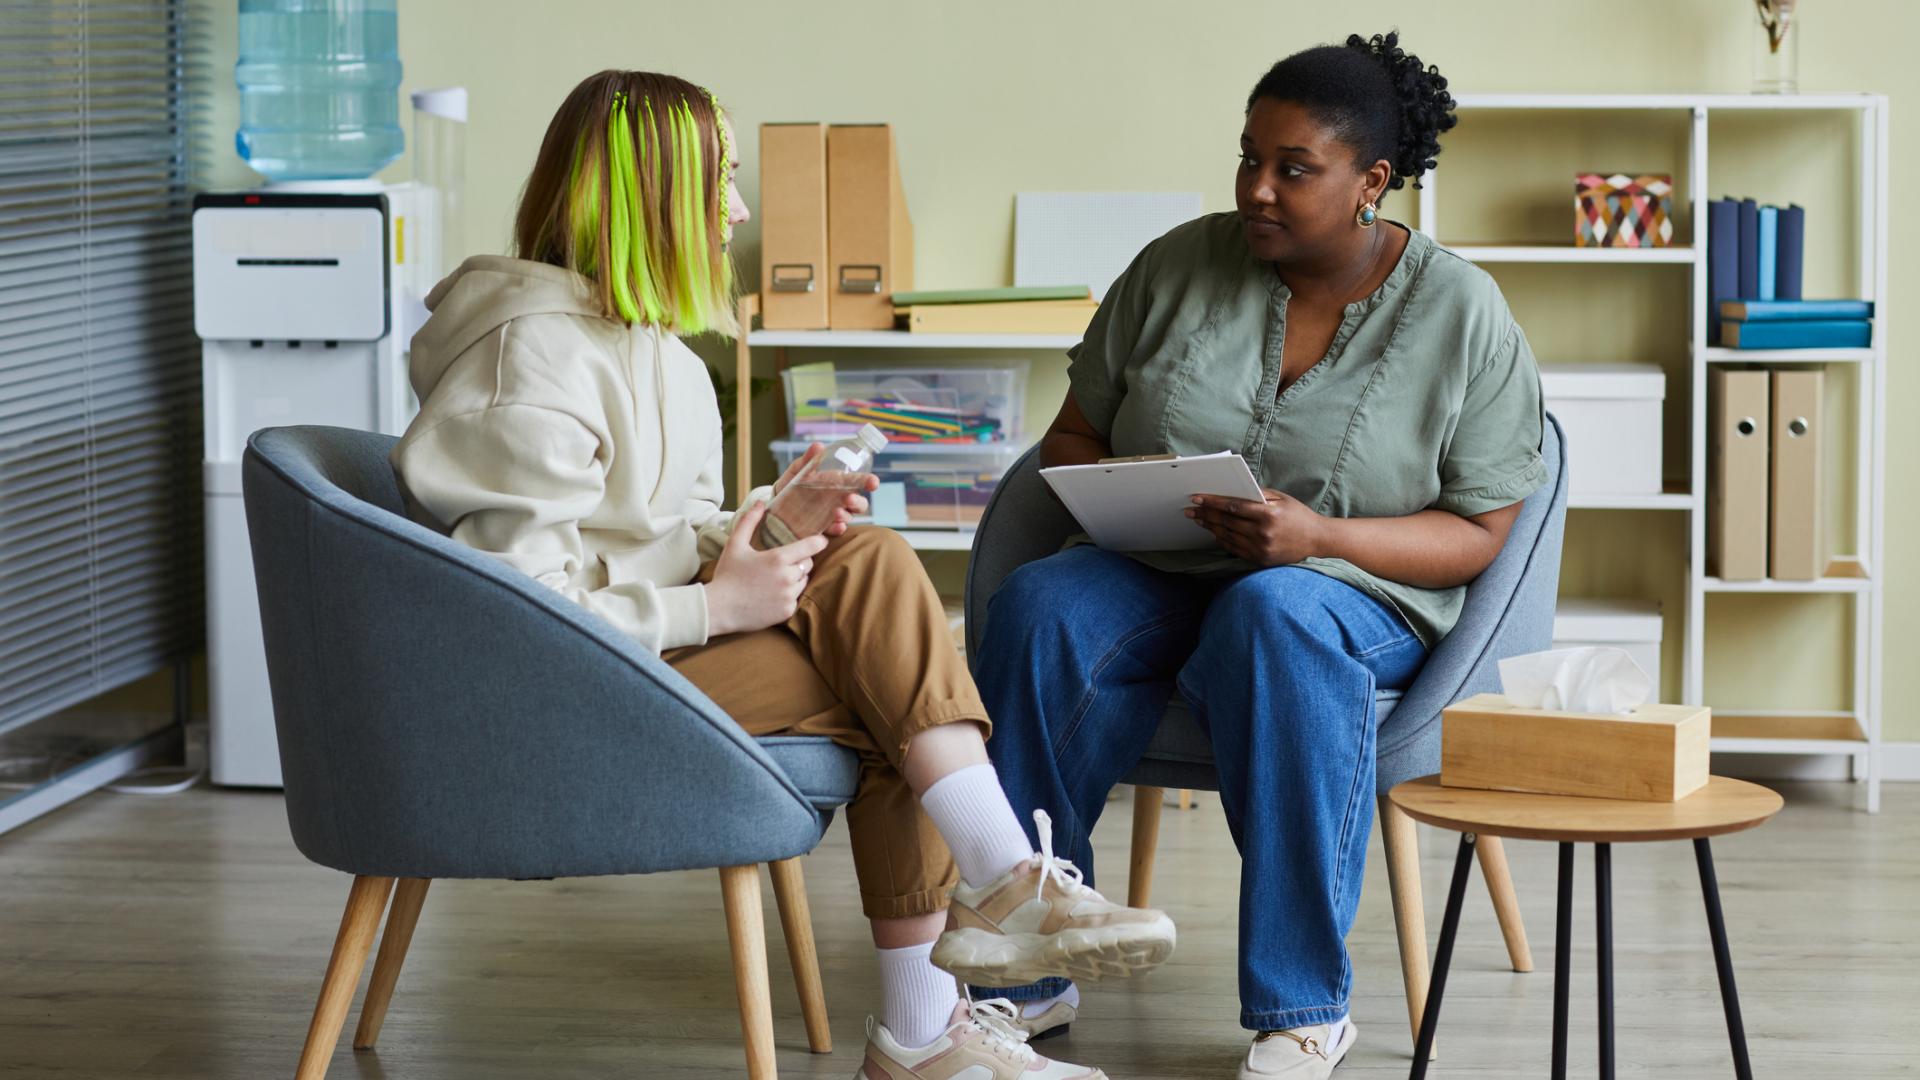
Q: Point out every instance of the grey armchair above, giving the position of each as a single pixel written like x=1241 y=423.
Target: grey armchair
x=443 y=716
x=1508 y=611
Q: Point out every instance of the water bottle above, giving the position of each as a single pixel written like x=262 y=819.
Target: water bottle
x=319 y=88
x=805 y=507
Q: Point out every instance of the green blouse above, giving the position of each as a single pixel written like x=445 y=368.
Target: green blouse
x=1428 y=396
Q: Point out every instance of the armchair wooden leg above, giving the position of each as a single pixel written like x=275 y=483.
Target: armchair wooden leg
x=796 y=925
x=740 y=889
x=1506 y=905
x=1402 y=843
x=402 y=917
x=1146 y=840
x=365 y=902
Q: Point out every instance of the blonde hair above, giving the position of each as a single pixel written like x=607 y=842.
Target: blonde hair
x=630 y=191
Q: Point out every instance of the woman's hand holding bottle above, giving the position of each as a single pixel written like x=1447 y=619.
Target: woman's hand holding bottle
x=753 y=589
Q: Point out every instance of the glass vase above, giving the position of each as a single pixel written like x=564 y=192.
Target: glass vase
x=1776 y=47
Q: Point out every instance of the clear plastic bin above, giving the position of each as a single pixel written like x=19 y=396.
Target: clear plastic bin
x=930 y=406
x=927 y=485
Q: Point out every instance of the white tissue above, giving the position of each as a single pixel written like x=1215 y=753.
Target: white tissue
x=1594 y=679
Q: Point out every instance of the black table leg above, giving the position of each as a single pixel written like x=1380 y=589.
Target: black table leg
x=1562 y=961
x=1437 y=982
x=1722 y=958
x=1603 y=962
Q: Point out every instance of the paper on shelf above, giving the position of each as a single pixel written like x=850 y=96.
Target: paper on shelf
x=1592 y=679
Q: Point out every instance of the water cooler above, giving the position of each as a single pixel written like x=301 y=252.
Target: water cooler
x=306 y=293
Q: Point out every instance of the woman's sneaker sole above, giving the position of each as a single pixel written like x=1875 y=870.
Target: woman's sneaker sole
x=985 y=958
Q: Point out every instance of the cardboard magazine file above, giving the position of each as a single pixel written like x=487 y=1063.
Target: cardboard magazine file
x=869 y=236
x=1656 y=753
x=793 y=226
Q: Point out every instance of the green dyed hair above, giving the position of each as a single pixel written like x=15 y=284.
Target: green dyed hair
x=630 y=191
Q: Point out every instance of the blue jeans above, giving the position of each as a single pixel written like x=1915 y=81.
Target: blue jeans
x=1082 y=652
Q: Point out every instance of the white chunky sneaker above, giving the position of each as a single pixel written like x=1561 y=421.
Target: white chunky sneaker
x=1038 y=920
x=1304 y=1053
x=982 y=1045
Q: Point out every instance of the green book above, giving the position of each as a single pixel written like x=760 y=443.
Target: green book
x=993 y=296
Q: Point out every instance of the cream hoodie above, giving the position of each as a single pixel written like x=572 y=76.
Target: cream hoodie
x=572 y=447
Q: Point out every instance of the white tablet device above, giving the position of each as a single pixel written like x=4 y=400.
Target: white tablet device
x=1139 y=505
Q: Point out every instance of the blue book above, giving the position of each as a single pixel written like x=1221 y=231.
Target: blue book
x=1769 y=252
x=1793 y=233
x=1797 y=334
x=1723 y=259
x=1784 y=310
x=1749 y=249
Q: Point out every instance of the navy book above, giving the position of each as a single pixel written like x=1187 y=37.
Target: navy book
x=1749 y=249
x=1796 y=310
x=1788 y=256
x=1723 y=259
x=1797 y=334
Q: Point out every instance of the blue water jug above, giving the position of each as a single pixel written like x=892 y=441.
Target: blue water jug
x=319 y=88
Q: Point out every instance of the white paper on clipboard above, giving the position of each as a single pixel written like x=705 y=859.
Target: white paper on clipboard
x=1139 y=505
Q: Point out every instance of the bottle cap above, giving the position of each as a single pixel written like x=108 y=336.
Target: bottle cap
x=872 y=438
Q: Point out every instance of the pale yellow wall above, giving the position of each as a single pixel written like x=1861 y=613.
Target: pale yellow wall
x=992 y=97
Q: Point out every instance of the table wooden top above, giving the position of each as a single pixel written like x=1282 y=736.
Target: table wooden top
x=1723 y=806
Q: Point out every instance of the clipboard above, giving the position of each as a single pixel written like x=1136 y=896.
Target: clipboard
x=1138 y=504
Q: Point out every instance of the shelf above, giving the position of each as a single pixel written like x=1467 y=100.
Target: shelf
x=1674 y=498
x=1567 y=253
x=1787 y=733
x=903 y=339
x=1668 y=101
x=1716 y=355
x=1843 y=576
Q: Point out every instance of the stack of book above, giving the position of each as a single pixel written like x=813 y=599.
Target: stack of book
x=1048 y=309
x=1796 y=324
x=1754 y=261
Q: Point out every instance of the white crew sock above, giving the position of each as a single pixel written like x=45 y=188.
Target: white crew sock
x=916 y=998
x=974 y=817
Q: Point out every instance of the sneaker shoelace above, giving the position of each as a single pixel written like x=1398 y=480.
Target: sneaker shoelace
x=1052 y=868
x=996 y=1017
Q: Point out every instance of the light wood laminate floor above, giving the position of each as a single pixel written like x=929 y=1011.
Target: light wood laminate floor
x=184 y=938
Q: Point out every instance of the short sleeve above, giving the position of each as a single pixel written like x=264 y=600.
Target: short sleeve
x=1097 y=367
x=1493 y=459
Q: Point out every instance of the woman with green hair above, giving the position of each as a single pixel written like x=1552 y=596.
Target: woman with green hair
x=566 y=430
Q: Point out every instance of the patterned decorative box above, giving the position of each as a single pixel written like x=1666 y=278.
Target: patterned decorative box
x=1622 y=210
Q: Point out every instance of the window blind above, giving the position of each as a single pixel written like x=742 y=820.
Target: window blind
x=101 y=579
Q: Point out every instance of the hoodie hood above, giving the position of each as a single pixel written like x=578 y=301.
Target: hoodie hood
x=483 y=294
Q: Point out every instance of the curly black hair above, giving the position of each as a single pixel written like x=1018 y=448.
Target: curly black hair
x=1375 y=96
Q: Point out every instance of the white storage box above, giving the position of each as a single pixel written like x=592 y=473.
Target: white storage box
x=1633 y=625
x=927 y=485
x=1611 y=413
x=934 y=405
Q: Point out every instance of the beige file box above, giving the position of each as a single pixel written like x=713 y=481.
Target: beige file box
x=1656 y=753
x=1797 y=534
x=793 y=226
x=1738 y=430
x=869 y=235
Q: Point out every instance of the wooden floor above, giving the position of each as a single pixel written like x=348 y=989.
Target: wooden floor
x=184 y=938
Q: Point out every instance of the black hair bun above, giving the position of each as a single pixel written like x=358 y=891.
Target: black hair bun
x=1426 y=109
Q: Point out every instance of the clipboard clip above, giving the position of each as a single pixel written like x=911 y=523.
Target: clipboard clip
x=1137 y=457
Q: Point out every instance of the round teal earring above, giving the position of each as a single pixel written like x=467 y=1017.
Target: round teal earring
x=1367 y=216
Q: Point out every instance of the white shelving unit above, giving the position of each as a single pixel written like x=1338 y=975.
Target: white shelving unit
x=921 y=539
x=1856 y=732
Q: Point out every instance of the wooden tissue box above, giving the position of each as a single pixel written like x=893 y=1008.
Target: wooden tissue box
x=1656 y=753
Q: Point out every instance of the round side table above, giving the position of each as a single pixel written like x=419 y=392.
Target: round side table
x=1723 y=806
